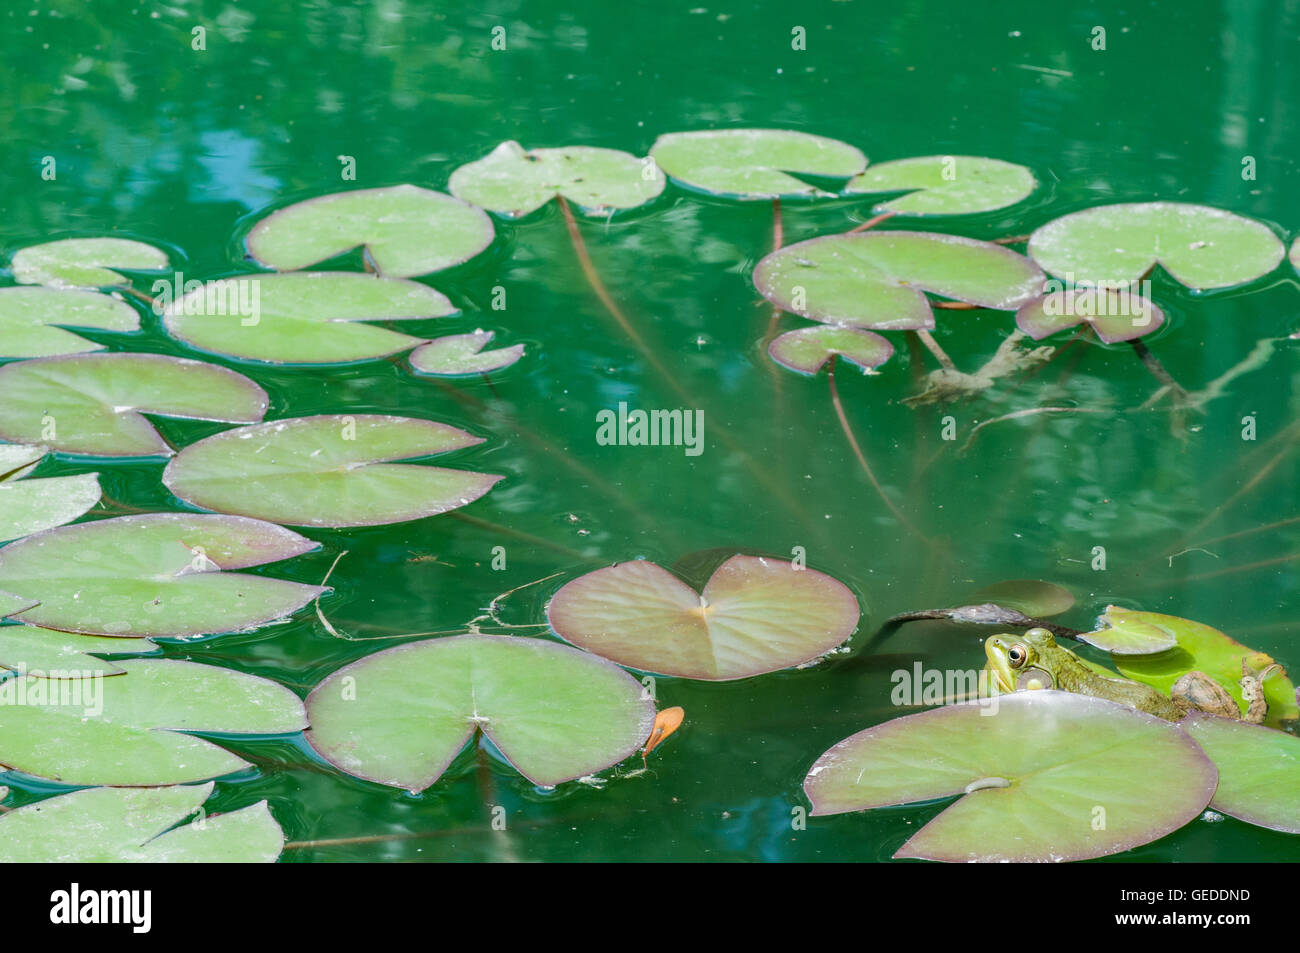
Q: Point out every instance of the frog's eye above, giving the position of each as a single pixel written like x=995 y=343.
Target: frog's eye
x=1016 y=655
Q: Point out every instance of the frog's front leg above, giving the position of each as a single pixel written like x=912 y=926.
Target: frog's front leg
x=1252 y=691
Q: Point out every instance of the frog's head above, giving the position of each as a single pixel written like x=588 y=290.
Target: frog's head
x=1018 y=662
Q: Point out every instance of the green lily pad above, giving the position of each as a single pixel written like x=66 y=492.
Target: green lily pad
x=807 y=350
x=30 y=649
x=1259 y=770
x=1046 y=776
x=755 y=615
x=92 y=403
x=1200 y=247
x=19 y=459
x=878 y=279
x=753 y=163
x=1031 y=597
x=85 y=262
x=128 y=731
x=1123 y=316
x=29 y=506
x=129 y=826
x=405 y=230
x=157 y=574
x=303 y=317
x=1126 y=632
x=1199 y=648
x=329 y=470
x=512 y=182
x=945 y=185
x=458 y=354
x=400 y=716
x=32 y=320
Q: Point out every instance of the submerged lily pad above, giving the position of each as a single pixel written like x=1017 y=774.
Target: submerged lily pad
x=755 y=615
x=85 y=262
x=1031 y=597
x=405 y=230
x=1201 y=247
x=92 y=403
x=877 y=279
x=303 y=317
x=1113 y=315
x=330 y=470
x=945 y=185
x=1199 y=648
x=458 y=354
x=400 y=716
x=807 y=350
x=127 y=731
x=1259 y=770
x=29 y=506
x=158 y=574
x=127 y=826
x=32 y=650
x=32 y=320
x=1126 y=632
x=754 y=163
x=1045 y=775
x=514 y=182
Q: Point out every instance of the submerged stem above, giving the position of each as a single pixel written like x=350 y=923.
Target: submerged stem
x=871 y=223
x=933 y=347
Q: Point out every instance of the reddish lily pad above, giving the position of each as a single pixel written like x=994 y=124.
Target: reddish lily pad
x=807 y=350
x=405 y=230
x=1259 y=770
x=329 y=470
x=755 y=615
x=878 y=279
x=754 y=163
x=458 y=354
x=92 y=403
x=1046 y=776
x=400 y=716
x=32 y=320
x=1113 y=315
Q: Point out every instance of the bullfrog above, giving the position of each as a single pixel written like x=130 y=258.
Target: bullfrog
x=1034 y=660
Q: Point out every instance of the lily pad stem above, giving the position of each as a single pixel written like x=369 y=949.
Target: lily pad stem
x=933 y=347
x=1158 y=370
x=871 y=223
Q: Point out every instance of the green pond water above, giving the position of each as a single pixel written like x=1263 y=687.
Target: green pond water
x=157 y=141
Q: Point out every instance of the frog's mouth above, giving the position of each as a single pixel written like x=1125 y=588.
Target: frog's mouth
x=1003 y=678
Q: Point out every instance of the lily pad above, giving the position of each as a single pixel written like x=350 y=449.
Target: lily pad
x=945 y=185
x=1114 y=316
x=32 y=320
x=92 y=403
x=1199 y=648
x=157 y=574
x=126 y=826
x=458 y=354
x=1126 y=632
x=405 y=230
x=878 y=279
x=32 y=650
x=19 y=459
x=303 y=317
x=400 y=716
x=1259 y=770
x=1031 y=597
x=1046 y=776
x=128 y=731
x=1199 y=246
x=755 y=615
x=85 y=262
x=29 y=506
x=807 y=350
x=514 y=182
x=329 y=470
x=754 y=163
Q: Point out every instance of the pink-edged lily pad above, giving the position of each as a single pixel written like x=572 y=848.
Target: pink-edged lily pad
x=329 y=470
x=93 y=403
x=754 y=163
x=755 y=615
x=1259 y=770
x=1042 y=775
x=400 y=716
x=406 y=231
x=85 y=262
x=49 y=653
x=879 y=279
x=458 y=354
x=303 y=317
x=127 y=731
x=1114 y=316
x=807 y=350
x=945 y=185
x=513 y=182
x=1199 y=246
x=158 y=574
x=32 y=320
